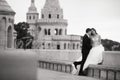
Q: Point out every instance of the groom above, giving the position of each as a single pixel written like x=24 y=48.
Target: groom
x=86 y=46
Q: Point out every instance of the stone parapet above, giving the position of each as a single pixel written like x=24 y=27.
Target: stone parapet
x=60 y=55
x=104 y=72
x=111 y=58
x=62 y=66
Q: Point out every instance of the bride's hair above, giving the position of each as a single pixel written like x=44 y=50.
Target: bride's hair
x=94 y=30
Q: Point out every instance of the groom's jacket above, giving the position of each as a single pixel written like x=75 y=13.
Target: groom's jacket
x=86 y=45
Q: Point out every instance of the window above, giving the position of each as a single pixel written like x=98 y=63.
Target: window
x=42 y=15
x=49 y=45
x=29 y=17
x=56 y=31
x=39 y=29
x=45 y=31
x=9 y=20
x=48 y=31
x=77 y=46
x=65 y=46
x=49 y=15
x=58 y=16
x=60 y=32
x=58 y=46
x=33 y=17
x=73 y=46
x=65 y=31
x=43 y=44
x=68 y=46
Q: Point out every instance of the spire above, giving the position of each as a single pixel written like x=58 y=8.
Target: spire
x=52 y=4
x=32 y=8
x=32 y=1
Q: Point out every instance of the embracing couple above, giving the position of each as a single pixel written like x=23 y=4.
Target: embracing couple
x=91 y=50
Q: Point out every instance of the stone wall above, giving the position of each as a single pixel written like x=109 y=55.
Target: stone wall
x=111 y=58
x=61 y=55
x=18 y=65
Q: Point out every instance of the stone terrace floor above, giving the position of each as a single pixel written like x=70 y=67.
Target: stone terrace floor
x=44 y=74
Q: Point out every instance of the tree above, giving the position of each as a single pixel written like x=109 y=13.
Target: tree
x=111 y=45
x=23 y=39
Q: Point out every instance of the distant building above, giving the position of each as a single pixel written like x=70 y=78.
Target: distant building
x=50 y=32
x=6 y=25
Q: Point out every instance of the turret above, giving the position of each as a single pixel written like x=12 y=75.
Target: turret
x=32 y=14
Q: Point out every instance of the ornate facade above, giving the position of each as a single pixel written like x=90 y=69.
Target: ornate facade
x=6 y=25
x=50 y=32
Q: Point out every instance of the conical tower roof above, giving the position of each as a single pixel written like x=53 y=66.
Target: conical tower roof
x=52 y=4
x=32 y=8
x=4 y=7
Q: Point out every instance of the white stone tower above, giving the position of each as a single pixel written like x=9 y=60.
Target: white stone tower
x=52 y=22
x=6 y=25
x=32 y=17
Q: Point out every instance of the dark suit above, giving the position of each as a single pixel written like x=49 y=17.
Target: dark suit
x=86 y=46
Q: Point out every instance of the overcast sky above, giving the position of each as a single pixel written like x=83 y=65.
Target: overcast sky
x=103 y=15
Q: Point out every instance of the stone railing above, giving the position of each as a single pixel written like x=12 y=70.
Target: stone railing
x=110 y=68
x=104 y=72
x=55 y=65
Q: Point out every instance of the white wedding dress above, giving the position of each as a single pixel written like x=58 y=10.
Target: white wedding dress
x=95 y=54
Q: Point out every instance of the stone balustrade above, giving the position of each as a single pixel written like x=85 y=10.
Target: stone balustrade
x=104 y=72
x=109 y=70
x=55 y=65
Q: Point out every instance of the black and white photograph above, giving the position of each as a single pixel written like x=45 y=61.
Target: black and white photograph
x=59 y=39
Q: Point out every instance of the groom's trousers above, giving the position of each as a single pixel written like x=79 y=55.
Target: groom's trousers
x=84 y=57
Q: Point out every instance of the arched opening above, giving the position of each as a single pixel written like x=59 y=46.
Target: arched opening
x=60 y=32
x=64 y=45
x=49 y=16
x=73 y=46
x=49 y=46
x=39 y=29
x=30 y=17
x=57 y=16
x=42 y=15
x=34 y=17
x=68 y=46
x=43 y=45
x=3 y=24
x=9 y=20
x=2 y=32
x=9 y=37
x=77 y=46
x=49 y=32
x=56 y=31
x=45 y=30
x=58 y=46
x=65 y=31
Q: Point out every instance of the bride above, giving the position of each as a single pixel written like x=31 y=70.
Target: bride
x=95 y=54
